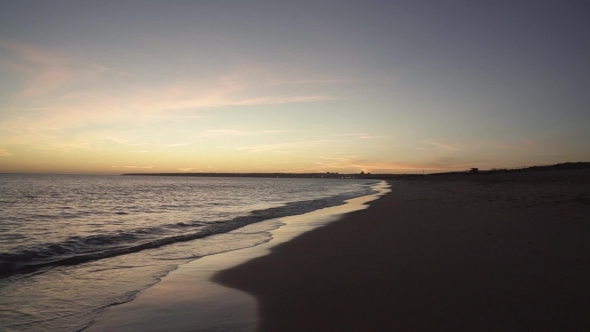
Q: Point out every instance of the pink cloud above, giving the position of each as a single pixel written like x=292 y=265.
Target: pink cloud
x=44 y=70
x=354 y=163
x=4 y=153
x=442 y=145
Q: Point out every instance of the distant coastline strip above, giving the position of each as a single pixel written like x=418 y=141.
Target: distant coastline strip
x=363 y=175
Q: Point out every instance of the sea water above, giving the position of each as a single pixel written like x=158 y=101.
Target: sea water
x=73 y=245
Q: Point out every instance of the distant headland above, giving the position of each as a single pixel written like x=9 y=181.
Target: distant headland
x=363 y=175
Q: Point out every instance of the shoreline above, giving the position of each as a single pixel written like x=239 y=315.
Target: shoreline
x=504 y=252
x=187 y=299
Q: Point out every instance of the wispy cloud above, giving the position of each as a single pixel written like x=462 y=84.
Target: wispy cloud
x=354 y=135
x=4 y=153
x=190 y=169
x=66 y=102
x=221 y=132
x=289 y=76
x=142 y=167
x=45 y=71
x=349 y=157
x=319 y=81
x=171 y=145
x=280 y=147
x=274 y=100
x=240 y=88
x=440 y=145
x=60 y=92
x=234 y=132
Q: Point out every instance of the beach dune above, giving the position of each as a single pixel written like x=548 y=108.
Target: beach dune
x=493 y=252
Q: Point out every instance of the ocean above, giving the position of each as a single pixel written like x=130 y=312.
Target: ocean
x=73 y=245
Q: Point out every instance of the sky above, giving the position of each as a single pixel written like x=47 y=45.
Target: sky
x=292 y=86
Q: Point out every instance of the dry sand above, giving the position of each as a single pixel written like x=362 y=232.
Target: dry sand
x=501 y=252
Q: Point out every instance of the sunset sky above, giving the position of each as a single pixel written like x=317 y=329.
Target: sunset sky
x=292 y=86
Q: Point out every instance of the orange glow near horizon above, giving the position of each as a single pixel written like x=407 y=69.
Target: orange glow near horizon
x=230 y=90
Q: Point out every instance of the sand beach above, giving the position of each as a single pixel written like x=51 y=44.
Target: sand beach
x=486 y=252
x=498 y=252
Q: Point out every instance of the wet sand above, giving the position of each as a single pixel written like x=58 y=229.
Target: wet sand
x=484 y=252
x=188 y=300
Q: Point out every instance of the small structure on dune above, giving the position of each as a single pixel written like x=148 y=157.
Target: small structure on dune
x=474 y=170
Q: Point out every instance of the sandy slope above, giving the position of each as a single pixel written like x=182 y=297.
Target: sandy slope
x=494 y=252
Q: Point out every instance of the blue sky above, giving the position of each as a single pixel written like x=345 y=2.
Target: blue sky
x=297 y=86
